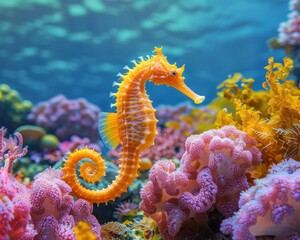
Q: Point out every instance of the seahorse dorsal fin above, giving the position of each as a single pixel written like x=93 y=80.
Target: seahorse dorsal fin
x=108 y=129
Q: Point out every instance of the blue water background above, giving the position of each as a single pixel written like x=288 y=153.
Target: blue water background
x=49 y=47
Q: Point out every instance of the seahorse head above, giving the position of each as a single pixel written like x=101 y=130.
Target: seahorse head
x=165 y=73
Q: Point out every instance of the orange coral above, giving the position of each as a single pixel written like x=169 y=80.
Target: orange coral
x=277 y=128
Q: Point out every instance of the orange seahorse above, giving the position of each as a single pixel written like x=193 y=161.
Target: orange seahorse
x=133 y=125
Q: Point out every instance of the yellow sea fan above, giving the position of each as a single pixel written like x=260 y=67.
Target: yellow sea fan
x=271 y=117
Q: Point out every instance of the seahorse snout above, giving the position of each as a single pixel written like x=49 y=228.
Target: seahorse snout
x=182 y=87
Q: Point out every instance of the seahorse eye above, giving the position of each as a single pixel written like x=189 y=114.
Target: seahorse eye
x=174 y=73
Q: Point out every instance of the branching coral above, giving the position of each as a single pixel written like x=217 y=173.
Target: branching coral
x=271 y=207
x=277 y=128
x=11 y=149
x=212 y=174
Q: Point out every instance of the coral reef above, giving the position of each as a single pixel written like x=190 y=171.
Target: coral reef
x=14 y=107
x=277 y=129
x=65 y=117
x=269 y=208
x=211 y=174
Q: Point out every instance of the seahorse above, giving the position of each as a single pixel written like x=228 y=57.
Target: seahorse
x=133 y=125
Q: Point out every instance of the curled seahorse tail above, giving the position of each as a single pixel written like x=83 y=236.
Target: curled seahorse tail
x=93 y=170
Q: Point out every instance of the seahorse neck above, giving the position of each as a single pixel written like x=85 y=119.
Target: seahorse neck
x=139 y=75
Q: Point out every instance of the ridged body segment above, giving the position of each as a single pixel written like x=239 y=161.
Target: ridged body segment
x=137 y=122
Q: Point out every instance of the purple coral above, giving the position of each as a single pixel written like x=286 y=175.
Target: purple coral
x=54 y=210
x=165 y=113
x=270 y=207
x=66 y=117
x=212 y=172
x=289 y=32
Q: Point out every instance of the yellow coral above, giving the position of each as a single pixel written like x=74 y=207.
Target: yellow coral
x=83 y=231
x=273 y=120
x=231 y=92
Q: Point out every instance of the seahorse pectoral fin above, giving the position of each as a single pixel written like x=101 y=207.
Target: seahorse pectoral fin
x=180 y=86
x=108 y=129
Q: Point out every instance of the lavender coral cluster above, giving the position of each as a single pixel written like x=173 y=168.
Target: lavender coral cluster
x=212 y=174
x=66 y=117
x=289 y=32
x=54 y=211
x=269 y=208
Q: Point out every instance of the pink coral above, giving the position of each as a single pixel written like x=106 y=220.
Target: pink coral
x=11 y=149
x=212 y=172
x=54 y=210
x=67 y=117
x=270 y=207
x=14 y=197
x=14 y=209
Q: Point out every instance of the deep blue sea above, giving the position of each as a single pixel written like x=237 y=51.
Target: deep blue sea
x=49 y=47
